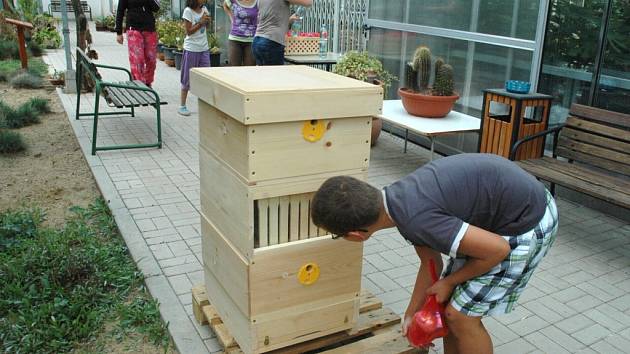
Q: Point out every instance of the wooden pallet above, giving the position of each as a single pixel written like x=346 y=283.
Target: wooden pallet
x=377 y=330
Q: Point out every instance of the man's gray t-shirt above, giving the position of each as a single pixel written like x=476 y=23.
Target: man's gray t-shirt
x=273 y=19
x=431 y=205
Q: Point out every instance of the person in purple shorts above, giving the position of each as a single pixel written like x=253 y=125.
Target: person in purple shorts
x=196 y=53
x=244 y=17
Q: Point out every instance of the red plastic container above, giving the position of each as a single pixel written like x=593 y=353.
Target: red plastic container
x=428 y=323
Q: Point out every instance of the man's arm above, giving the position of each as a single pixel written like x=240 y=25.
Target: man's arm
x=423 y=282
x=484 y=250
x=301 y=2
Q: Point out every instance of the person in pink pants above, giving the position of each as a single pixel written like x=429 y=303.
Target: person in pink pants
x=141 y=36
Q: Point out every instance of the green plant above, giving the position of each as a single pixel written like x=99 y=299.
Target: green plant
x=48 y=38
x=362 y=66
x=110 y=21
x=444 y=84
x=9 y=50
x=418 y=74
x=26 y=80
x=58 y=75
x=171 y=33
x=18 y=225
x=164 y=11
x=7 y=31
x=10 y=68
x=41 y=105
x=213 y=43
x=27 y=9
x=59 y=286
x=100 y=21
x=10 y=142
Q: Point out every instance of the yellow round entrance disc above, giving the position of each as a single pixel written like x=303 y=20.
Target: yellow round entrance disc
x=308 y=274
x=313 y=130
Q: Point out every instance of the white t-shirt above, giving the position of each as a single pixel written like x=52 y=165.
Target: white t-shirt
x=198 y=41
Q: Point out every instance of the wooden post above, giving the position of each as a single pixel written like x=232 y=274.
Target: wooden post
x=21 y=41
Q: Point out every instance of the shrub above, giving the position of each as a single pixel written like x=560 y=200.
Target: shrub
x=26 y=80
x=9 y=50
x=7 y=31
x=10 y=142
x=41 y=105
x=26 y=114
x=10 y=68
x=47 y=37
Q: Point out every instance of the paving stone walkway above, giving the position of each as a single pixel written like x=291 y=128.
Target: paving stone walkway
x=577 y=302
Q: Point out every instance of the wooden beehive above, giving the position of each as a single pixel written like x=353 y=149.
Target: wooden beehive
x=269 y=137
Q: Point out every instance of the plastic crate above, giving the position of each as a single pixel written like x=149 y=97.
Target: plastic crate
x=301 y=45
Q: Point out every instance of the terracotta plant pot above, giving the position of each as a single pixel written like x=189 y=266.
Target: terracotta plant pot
x=426 y=106
x=377 y=125
x=57 y=82
x=170 y=62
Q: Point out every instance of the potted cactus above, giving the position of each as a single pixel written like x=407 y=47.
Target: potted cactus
x=420 y=98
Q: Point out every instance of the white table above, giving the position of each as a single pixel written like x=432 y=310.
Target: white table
x=454 y=122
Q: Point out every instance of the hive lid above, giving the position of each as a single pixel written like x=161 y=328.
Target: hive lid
x=271 y=94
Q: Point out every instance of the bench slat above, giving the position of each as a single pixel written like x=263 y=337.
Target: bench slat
x=600 y=129
x=148 y=98
x=594 y=160
x=601 y=141
x=601 y=115
x=581 y=179
x=621 y=160
x=116 y=95
x=134 y=97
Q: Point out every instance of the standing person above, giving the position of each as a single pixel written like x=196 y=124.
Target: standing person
x=492 y=218
x=273 y=24
x=141 y=36
x=196 y=53
x=244 y=17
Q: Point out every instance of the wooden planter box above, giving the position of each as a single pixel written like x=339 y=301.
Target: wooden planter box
x=265 y=146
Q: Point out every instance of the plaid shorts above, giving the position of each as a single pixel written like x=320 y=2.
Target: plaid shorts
x=497 y=291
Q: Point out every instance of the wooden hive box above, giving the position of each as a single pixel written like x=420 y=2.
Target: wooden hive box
x=269 y=137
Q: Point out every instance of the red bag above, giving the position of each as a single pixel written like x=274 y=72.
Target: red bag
x=428 y=323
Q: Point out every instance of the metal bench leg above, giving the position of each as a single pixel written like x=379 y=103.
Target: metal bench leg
x=95 y=128
x=133 y=112
x=552 y=189
x=159 y=123
x=78 y=83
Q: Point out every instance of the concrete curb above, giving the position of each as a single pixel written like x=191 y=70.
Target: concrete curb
x=179 y=325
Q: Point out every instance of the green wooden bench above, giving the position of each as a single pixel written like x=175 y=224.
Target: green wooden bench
x=591 y=154
x=126 y=94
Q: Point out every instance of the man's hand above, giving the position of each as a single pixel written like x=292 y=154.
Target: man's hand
x=119 y=39
x=442 y=290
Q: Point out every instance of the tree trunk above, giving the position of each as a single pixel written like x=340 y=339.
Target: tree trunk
x=84 y=38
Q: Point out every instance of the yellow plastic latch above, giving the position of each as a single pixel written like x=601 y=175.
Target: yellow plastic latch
x=313 y=130
x=308 y=274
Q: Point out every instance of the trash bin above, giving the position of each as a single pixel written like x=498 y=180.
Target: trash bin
x=508 y=117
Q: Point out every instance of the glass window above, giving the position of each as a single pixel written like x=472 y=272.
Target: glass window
x=569 y=53
x=509 y=18
x=613 y=91
x=477 y=66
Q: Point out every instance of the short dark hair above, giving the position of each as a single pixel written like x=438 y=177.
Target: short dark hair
x=191 y=3
x=343 y=204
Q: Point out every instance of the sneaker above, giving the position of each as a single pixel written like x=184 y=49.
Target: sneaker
x=183 y=111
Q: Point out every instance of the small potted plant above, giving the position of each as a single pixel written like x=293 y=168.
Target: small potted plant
x=178 y=53
x=362 y=66
x=421 y=99
x=100 y=24
x=110 y=23
x=215 y=50
x=159 y=28
x=58 y=78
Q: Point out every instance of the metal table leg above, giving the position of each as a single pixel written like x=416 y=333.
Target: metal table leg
x=406 y=137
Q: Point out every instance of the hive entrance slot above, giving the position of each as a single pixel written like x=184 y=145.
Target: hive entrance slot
x=284 y=219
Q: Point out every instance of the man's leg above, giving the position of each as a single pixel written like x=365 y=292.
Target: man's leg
x=466 y=334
